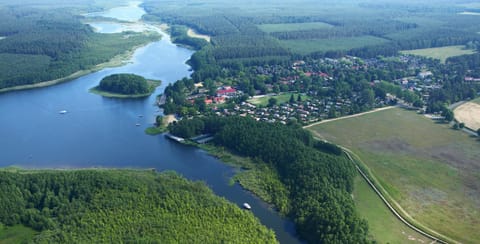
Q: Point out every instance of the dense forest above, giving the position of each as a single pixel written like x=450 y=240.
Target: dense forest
x=119 y=206
x=316 y=183
x=237 y=38
x=128 y=84
x=40 y=44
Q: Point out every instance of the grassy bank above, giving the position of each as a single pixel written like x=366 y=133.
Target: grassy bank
x=429 y=169
x=159 y=128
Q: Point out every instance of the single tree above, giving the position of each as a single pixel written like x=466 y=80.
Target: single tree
x=461 y=125
x=272 y=102
x=455 y=126
x=478 y=132
x=448 y=114
x=292 y=99
x=299 y=98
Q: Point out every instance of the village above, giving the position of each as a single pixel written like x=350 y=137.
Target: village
x=312 y=90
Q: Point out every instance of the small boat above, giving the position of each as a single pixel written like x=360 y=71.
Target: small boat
x=63 y=112
x=247 y=206
x=137 y=124
x=140 y=116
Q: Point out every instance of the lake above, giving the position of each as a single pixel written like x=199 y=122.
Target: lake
x=103 y=132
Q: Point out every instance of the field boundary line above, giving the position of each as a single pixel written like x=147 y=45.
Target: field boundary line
x=438 y=238
x=349 y=116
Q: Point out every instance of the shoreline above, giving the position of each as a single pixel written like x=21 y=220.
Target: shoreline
x=116 y=61
x=153 y=85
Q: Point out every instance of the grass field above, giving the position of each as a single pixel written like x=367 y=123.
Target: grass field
x=269 y=28
x=441 y=53
x=383 y=225
x=432 y=171
x=282 y=98
x=16 y=234
x=323 y=45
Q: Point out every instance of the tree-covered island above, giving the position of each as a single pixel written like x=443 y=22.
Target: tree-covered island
x=125 y=86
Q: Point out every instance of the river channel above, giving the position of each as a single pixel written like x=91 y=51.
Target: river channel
x=109 y=133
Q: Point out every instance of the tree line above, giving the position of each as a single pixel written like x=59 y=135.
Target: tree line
x=318 y=184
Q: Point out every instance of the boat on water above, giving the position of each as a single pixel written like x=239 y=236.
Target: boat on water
x=62 y=112
x=247 y=206
x=137 y=124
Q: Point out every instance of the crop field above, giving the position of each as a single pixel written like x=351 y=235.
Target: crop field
x=282 y=98
x=323 y=45
x=441 y=53
x=469 y=113
x=432 y=171
x=383 y=225
x=269 y=28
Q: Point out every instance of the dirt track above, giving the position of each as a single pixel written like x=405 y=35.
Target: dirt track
x=349 y=116
x=469 y=113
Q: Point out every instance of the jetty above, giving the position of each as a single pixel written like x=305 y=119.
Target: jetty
x=202 y=139
x=175 y=138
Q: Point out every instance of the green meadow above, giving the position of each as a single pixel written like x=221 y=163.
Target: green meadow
x=431 y=170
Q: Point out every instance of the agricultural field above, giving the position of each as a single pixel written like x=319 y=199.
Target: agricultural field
x=282 y=98
x=431 y=170
x=469 y=113
x=383 y=225
x=441 y=53
x=269 y=28
x=308 y=46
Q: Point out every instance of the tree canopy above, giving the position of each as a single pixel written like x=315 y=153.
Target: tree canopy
x=317 y=184
x=129 y=84
x=118 y=206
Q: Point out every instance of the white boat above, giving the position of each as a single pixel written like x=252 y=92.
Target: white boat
x=63 y=112
x=137 y=124
x=247 y=206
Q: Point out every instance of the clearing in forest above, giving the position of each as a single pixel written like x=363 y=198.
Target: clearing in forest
x=269 y=28
x=441 y=53
x=194 y=34
x=307 y=46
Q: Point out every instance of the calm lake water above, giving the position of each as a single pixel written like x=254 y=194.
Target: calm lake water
x=103 y=132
